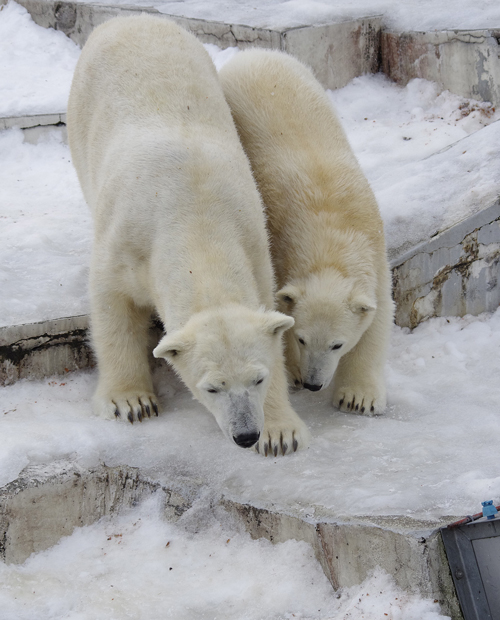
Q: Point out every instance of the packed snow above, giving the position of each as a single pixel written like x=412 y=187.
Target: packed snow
x=45 y=232
x=393 y=131
x=138 y=566
x=37 y=65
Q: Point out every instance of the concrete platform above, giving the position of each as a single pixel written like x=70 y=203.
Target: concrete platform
x=48 y=502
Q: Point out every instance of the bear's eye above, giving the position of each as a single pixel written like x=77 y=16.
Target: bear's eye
x=301 y=340
x=212 y=391
x=259 y=381
x=335 y=347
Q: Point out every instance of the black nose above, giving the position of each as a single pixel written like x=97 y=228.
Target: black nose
x=246 y=440
x=313 y=388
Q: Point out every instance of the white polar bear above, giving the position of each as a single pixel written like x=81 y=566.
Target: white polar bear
x=180 y=231
x=327 y=239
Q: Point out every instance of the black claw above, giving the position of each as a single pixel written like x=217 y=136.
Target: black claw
x=139 y=415
x=130 y=417
x=117 y=413
x=357 y=407
x=257 y=447
x=266 y=449
x=148 y=410
x=284 y=448
x=372 y=408
x=275 y=449
x=362 y=409
x=295 y=444
x=155 y=409
x=340 y=402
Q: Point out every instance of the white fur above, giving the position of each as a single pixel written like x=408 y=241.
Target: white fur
x=327 y=239
x=179 y=231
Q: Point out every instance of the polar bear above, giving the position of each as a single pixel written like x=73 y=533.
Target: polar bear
x=327 y=239
x=179 y=231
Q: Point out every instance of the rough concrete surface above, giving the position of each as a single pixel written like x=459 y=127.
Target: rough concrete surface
x=455 y=273
x=466 y=63
x=37 y=350
x=336 y=52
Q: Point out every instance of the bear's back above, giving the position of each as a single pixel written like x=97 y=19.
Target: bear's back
x=138 y=75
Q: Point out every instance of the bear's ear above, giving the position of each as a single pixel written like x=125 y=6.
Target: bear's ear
x=276 y=322
x=362 y=304
x=288 y=296
x=172 y=346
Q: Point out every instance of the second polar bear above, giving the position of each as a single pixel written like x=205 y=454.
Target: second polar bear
x=179 y=231
x=327 y=238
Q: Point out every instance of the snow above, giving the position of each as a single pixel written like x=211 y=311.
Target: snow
x=430 y=156
x=37 y=65
x=45 y=232
x=215 y=572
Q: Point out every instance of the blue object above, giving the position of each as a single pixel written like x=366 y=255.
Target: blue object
x=489 y=511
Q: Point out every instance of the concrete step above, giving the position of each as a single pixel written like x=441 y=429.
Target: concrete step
x=47 y=502
x=466 y=62
x=37 y=125
x=337 y=52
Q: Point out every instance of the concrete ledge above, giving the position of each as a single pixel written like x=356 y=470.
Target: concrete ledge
x=37 y=350
x=47 y=502
x=455 y=273
x=466 y=62
x=336 y=52
x=37 y=125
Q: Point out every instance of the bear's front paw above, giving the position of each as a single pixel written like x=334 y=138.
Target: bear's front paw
x=127 y=407
x=284 y=438
x=367 y=400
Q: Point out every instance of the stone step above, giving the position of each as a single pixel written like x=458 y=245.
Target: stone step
x=466 y=62
x=337 y=52
x=37 y=125
x=47 y=502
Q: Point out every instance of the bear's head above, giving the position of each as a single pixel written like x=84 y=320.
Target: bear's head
x=226 y=356
x=331 y=313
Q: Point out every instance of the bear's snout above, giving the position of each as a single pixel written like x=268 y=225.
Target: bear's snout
x=246 y=440
x=313 y=388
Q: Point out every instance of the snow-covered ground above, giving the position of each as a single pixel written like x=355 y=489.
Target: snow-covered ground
x=433 y=453
x=36 y=63
x=392 y=130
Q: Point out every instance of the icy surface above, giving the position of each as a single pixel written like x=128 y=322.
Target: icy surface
x=433 y=453
x=138 y=566
x=36 y=63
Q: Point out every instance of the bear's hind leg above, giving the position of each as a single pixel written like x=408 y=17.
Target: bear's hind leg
x=120 y=337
